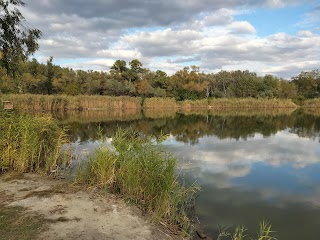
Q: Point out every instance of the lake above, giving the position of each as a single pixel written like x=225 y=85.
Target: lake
x=251 y=165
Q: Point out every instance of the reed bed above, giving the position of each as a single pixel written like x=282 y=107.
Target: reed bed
x=32 y=102
x=191 y=104
x=140 y=170
x=157 y=103
x=154 y=113
x=312 y=111
x=311 y=103
x=90 y=116
x=235 y=103
x=30 y=144
x=251 y=103
x=238 y=112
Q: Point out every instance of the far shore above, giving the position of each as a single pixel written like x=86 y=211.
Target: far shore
x=33 y=102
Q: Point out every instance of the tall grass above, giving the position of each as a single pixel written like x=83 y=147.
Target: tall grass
x=191 y=104
x=238 y=103
x=155 y=113
x=251 y=103
x=157 y=103
x=30 y=143
x=240 y=233
x=144 y=173
x=32 y=102
x=311 y=103
x=90 y=116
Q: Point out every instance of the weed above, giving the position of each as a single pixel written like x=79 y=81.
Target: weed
x=140 y=170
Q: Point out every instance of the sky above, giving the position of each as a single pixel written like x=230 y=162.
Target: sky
x=278 y=37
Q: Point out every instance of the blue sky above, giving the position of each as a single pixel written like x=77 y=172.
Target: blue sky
x=270 y=21
x=279 y=37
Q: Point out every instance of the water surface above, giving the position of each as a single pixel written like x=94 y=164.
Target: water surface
x=251 y=166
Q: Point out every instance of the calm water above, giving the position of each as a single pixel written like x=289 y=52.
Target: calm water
x=250 y=166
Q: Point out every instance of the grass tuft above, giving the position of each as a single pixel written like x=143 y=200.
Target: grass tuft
x=30 y=144
x=141 y=171
x=240 y=233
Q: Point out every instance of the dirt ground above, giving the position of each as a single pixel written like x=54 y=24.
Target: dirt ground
x=72 y=213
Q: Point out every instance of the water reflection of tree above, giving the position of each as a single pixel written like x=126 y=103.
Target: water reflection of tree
x=306 y=125
x=189 y=129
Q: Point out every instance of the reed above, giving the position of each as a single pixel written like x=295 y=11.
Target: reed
x=238 y=112
x=156 y=103
x=251 y=103
x=312 y=111
x=90 y=116
x=32 y=102
x=236 y=103
x=311 y=103
x=144 y=173
x=30 y=144
x=191 y=104
x=240 y=233
x=155 y=113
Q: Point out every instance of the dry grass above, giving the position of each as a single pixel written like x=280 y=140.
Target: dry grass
x=188 y=104
x=311 y=103
x=157 y=103
x=251 y=103
x=154 y=113
x=238 y=103
x=98 y=115
x=32 y=102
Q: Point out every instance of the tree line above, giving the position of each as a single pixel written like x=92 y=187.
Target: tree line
x=133 y=79
x=18 y=75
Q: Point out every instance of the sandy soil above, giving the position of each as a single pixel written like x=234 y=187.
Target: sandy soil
x=77 y=214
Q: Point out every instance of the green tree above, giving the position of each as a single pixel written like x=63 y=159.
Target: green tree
x=50 y=75
x=136 y=69
x=17 y=42
x=119 y=66
x=286 y=89
x=306 y=83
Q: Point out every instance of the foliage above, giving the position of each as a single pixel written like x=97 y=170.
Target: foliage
x=17 y=41
x=135 y=80
x=29 y=144
x=144 y=173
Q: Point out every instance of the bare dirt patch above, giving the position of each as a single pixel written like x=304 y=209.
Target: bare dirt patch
x=61 y=211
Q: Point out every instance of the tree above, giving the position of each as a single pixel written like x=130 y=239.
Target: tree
x=50 y=76
x=119 y=66
x=17 y=41
x=306 y=83
x=135 y=71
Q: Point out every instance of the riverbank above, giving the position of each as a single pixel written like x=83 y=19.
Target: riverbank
x=137 y=168
x=39 y=207
x=32 y=102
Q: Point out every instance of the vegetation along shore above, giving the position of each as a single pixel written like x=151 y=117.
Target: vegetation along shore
x=34 y=102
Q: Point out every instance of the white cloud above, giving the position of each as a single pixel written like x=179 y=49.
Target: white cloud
x=98 y=64
x=167 y=34
x=119 y=54
x=241 y=27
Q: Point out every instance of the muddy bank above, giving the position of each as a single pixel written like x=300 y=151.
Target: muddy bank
x=68 y=212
